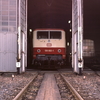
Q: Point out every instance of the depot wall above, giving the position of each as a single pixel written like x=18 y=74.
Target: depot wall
x=9 y=23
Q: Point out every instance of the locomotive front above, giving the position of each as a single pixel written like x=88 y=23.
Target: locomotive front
x=49 y=48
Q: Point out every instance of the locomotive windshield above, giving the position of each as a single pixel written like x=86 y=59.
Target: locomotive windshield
x=48 y=34
x=42 y=35
x=55 y=35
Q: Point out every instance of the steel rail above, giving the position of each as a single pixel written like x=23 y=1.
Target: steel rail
x=20 y=94
x=75 y=93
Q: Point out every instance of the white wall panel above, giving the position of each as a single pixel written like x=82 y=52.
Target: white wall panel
x=8 y=52
x=8 y=62
x=8 y=42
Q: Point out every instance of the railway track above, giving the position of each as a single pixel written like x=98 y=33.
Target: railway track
x=48 y=86
x=74 y=92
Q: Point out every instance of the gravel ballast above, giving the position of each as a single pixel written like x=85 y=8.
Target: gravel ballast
x=11 y=84
x=87 y=85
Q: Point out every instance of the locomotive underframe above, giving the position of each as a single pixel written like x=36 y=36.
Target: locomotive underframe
x=49 y=61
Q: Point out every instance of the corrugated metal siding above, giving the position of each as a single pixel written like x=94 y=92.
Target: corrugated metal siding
x=8 y=62
x=8 y=52
x=23 y=15
x=8 y=42
x=8 y=15
x=8 y=35
x=9 y=23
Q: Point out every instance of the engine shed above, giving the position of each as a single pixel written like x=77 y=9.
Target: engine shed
x=13 y=35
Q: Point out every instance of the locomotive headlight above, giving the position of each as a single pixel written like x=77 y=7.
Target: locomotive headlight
x=59 y=50
x=38 y=50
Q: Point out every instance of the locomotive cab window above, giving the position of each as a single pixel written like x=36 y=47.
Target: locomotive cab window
x=55 y=35
x=42 y=35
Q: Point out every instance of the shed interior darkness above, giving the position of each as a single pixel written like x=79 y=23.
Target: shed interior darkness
x=56 y=13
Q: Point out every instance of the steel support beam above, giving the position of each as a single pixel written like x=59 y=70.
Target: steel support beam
x=77 y=35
